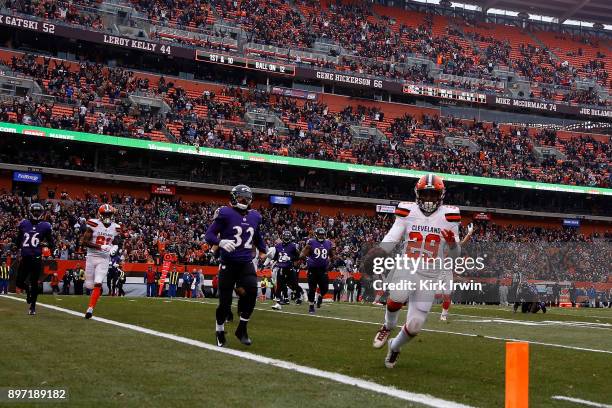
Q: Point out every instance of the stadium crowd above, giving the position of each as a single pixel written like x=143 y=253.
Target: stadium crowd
x=98 y=103
x=155 y=225
x=367 y=40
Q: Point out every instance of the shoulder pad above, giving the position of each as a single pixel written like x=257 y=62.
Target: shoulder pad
x=403 y=209
x=255 y=212
x=92 y=223
x=452 y=214
x=217 y=212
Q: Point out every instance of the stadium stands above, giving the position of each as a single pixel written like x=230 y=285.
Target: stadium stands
x=155 y=225
x=93 y=98
x=368 y=39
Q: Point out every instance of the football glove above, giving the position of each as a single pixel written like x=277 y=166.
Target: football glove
x=227 y=245
x=449 y=237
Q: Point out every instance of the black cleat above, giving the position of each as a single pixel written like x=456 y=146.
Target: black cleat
x=392 y=356
x=32 y=311
x=319 y=301
x=311 y=309
x=298 y=302
x=89 y=313
x=221 y=341
x=241 y=333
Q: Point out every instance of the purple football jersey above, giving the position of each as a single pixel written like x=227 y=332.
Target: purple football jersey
x=243 y=229
x=31 y=235
x=286 y=254
x=319 y=253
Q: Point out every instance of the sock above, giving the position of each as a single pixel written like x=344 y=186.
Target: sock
x=391 y=319
x=219 y=327
x=402 y=338
x=242 y=325
x=445 y=306
x=95 y=295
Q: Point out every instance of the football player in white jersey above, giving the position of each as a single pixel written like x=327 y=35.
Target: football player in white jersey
x=424 y=231
x=101 y=238
x=447 y=277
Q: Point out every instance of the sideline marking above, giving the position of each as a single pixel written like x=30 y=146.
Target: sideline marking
x=580 y=401
x=539 y=343
x=340 y=378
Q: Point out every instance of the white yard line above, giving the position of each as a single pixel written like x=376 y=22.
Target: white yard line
x=569 y=312
x=540 y=323
x=581 y=401
x=589 y=325
x=427 y=330
x=328 y=375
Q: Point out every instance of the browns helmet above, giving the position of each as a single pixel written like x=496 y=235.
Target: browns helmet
x=429 y=191
x=106 y=212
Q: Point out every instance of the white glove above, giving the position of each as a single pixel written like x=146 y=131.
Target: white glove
x=106 y=248
x=227 y=244
x=470 y=228
x=113 y=250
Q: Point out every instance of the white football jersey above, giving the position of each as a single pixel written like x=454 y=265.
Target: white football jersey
x=102 y=235
x=419 y=235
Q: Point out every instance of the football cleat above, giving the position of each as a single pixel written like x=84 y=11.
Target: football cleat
x=443 y=317
x=32 y=311
x=311 y=309
x=381 y=337
x=221 y=338
x=298 y=301
x=89 y=313
x=277 y=306
x=392 y=356
x=319 y=301
x=241 y=333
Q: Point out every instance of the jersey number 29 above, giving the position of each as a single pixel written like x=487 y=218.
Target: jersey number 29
x=427 y=247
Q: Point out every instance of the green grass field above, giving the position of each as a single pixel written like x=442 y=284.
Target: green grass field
x=461 y=360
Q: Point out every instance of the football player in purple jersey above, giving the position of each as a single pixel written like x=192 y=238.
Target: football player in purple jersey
x=236 y=230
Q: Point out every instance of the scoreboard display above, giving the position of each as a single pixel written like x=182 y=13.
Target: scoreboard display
x=443 y=93
x=245 y=63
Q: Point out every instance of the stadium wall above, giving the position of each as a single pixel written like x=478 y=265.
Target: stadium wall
x=135 y=273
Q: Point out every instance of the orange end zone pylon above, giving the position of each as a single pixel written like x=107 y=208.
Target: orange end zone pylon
x=517 y=375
